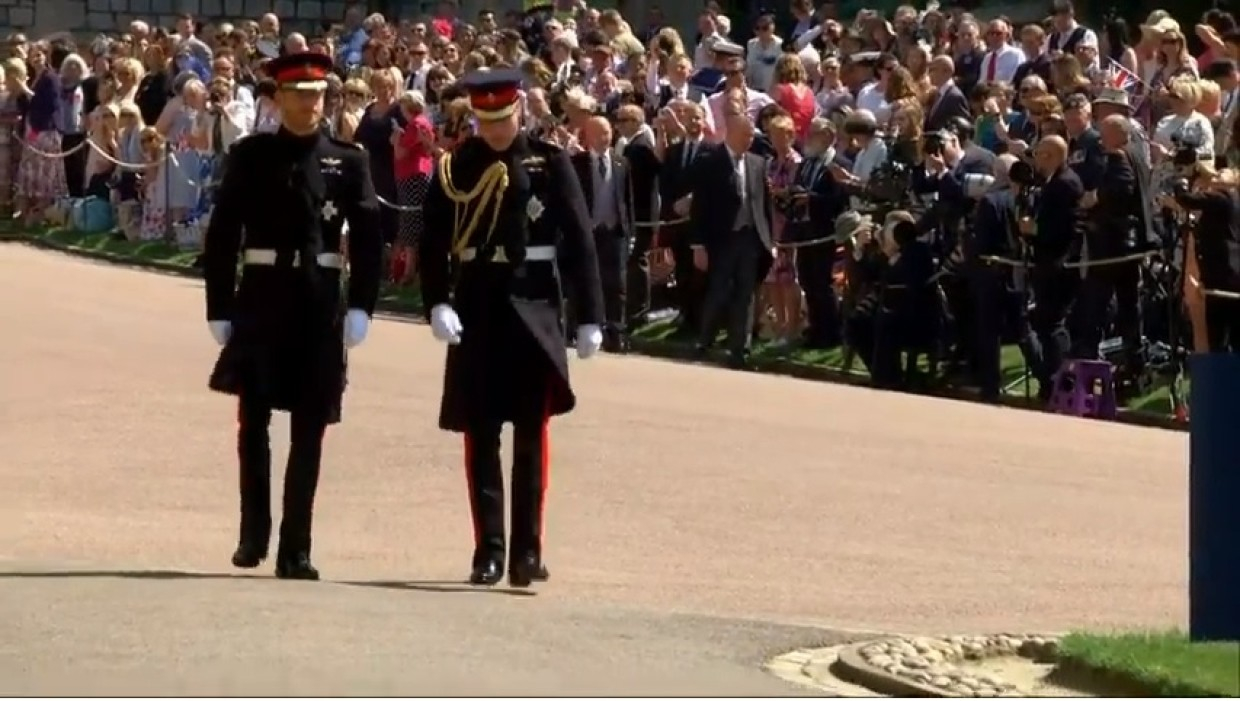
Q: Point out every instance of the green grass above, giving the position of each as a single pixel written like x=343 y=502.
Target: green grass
x=404 y=299
x=1156 y=664
x=1012 y=366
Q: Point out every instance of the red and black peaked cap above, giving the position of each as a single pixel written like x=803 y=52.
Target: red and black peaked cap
x=493 y=94
x=307 y=70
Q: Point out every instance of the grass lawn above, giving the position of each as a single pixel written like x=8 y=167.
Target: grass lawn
x=407 y=300
x=1156 y=664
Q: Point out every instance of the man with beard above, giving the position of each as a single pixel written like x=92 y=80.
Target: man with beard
x=506 y=222
x=280 y=208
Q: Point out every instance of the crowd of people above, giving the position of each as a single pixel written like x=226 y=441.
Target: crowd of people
x=921 y=188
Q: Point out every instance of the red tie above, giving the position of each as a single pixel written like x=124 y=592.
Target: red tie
x=994 y=61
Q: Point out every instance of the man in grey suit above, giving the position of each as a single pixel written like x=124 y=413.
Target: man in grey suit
x=730 y=210
x=605 y=182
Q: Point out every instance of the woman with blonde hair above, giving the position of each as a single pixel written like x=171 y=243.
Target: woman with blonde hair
x=780 y=290
x=178 y=126
x=1174 y=61
x=414 y=147
x=791 y=91
x=1068 y=78
x=374 y=132
x=356 y=93
x=1183 y=124
x=128 y=73
x=900 y=94
x=13 y=102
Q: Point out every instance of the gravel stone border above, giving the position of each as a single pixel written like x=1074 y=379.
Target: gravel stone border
x=924 y=666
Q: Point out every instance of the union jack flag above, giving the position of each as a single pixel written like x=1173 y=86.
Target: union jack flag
x=1120 y=77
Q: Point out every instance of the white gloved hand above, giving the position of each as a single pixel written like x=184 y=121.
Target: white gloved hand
x=221 y=331
x=356 y=326
x=589 y=340
x=445 y=324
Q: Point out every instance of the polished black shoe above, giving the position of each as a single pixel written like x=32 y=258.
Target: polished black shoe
x=296 y=567
x=249 y=555
x=487 y=573
x=525 y=571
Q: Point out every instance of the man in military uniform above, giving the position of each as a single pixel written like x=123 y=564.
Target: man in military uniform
x=284 y=329
x=506 y=223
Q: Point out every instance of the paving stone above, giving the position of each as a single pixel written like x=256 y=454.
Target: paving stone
x=310 y=9
x=140 y=7
x=102 y=21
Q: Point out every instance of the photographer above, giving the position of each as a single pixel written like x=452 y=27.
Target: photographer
x=990 y=282
x=870 y=152
x=1051 y=230
x=1215 y=248
x=1115 y=227
x=909 y=313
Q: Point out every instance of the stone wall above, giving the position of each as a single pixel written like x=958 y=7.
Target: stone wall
x=89 y=17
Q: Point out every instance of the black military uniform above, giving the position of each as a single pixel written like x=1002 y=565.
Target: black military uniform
x=285 y=346
x=504 y=231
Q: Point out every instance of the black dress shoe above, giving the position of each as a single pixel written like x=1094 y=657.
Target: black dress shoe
x=487 y=573
x=249 y=555
x=296 y=567
x=525 y=571
x=738 y=361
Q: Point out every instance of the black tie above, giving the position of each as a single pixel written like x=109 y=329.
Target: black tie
x=690 y=147
x=602 y=167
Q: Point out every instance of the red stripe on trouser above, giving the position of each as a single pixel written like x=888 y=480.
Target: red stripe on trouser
x=469 y=482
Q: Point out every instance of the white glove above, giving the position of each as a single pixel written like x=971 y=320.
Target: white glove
x=445 y=324
x=221 y=331
x=356 y=326
x=589 y=340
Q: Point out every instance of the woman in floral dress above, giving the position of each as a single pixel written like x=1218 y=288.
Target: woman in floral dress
x=41 y=175
x=780 y=289
x=13 y=102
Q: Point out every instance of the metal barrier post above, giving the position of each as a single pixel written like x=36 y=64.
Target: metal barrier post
x=1214 y=498
x=169 y=234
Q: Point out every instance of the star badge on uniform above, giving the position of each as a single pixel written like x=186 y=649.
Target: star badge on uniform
x=329 y=211
x=535 y=209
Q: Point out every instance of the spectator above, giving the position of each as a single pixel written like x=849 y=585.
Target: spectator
x=100 y=157
x=414 y=146
x=13 y=104
x=791 y=91
x=178 y=128
x=374 y=132
x=155 y=86
x=41 y=179
x=71 y=122
x=780 y=290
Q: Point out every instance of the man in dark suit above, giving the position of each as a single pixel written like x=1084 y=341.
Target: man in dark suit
x=994 y=236
x=1085 y=154
x=1116 y=228
x=1052 y=229
x=643 y=170
x=605 y=184
x=815 y=203
x=948 y=100
x=675 y=182
x=730 y=211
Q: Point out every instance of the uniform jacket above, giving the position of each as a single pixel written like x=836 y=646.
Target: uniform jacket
x=293 y=195
x=512 y=361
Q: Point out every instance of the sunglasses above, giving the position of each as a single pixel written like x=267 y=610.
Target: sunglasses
x=355 y=93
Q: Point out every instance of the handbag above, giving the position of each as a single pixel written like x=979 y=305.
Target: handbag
x=91 y=215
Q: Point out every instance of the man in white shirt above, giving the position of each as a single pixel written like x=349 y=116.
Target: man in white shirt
x=872 y=97
x=1068 y=32
x=241 y=106
x=1002 y=58
x=734 y=75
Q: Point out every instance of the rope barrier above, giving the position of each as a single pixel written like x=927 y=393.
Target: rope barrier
x=53 y=156
x=1076 y=265
x=1221 y=294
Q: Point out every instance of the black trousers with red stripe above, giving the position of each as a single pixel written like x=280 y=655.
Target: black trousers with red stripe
x=485 y=473
x=301 y=476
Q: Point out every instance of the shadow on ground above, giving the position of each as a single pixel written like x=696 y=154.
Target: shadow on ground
x=431 y=586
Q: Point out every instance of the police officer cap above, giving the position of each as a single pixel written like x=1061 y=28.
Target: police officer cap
x=307 y=70
x=870 y=57
x=727 y=48
x=493 y=94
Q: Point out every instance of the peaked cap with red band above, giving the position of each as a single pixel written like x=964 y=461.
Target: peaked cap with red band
x=307 y=70
x=493 y=94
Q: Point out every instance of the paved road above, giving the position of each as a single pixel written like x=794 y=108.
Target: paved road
x=700 y=520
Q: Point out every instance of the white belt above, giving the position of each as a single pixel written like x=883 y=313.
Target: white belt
x=267 y=256
x=534 y=253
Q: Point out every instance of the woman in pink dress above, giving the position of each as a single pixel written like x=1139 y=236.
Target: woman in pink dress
x=791 y=91
x=780 y=289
